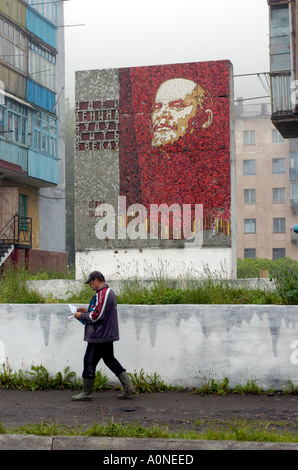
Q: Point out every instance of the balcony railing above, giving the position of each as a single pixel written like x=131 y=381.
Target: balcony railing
x=281 y=92
x=18 y=232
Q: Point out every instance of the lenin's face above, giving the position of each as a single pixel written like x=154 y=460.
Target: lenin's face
x=176 y=102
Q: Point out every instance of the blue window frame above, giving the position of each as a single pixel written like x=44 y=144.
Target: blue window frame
x=250 y=253
x=249 y=167
x=278 y=165
x=250 y=226
x=46 y=9
x=14 y=122
x=42 y=65
x=279 y=225
x=44 y=134
x=278 y=253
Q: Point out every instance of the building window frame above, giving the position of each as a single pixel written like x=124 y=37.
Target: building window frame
x=46 y=9
x=249 y=196
x=13 y=46
x=277 y=138
x=293 y=191
x=278 y=165
x=250 y=226
x=42 y=65
x=44 y=133
x=279 y=225
x=278 y=195
x=278 y=253
x=250 y=253
x=249 y=137
x=15 y=122
x=249 y=167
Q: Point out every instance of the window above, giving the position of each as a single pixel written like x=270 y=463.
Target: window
x=249 y=225
x=250 y=253
x=279 y=225
x=249 y=137
x=16 y=122
x=42 y=65
x=249 y=167
x=44 y=133
x=278 y=165
x=23 y=211
x=12 y=46
x=249 y=196
x=278 y=253
x=278 y=195
x=45 y=8
x=1 y=121
x=277 y=138
x=294 y=191
x=2 y=104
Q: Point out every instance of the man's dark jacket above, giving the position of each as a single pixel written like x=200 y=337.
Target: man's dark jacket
x=101 y=319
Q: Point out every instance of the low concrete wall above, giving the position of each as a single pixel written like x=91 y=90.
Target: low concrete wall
x=185 y=344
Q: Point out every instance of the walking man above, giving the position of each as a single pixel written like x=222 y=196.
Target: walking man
x=101 y=330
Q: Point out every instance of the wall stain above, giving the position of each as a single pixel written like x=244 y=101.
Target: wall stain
x=224 y=317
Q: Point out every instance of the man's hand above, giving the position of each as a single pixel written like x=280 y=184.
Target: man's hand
x=79 y=312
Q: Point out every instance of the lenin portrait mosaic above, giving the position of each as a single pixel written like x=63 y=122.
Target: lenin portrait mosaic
x=175 y=137
x=165 y=131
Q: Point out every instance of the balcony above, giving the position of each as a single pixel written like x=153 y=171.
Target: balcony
x=293 y=174
x=294 y=205
x=284 y=114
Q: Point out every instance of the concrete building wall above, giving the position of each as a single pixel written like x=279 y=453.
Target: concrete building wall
x=32 y=154
x=185 y=344
x=264 y=209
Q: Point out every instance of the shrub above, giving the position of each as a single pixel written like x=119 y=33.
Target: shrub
x=287 y=287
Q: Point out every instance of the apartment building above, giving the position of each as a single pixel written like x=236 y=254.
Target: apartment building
x=32 y=121
x=283 y=50
x=266 y=175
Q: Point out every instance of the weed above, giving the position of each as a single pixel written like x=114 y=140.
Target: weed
x=37 y=378
x=250 y=388
x=148 y=383
x=65 y=379
x=100 y=382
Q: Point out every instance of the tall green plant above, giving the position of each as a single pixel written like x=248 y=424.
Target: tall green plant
x=287 y=287
x=13 y=288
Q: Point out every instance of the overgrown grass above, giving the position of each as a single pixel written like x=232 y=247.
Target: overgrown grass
x=13 y=288
x=240 y=430
x=211 y=288
x=200 y=292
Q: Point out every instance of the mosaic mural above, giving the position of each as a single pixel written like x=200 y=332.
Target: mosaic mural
x=170 y=128
x=175 y=136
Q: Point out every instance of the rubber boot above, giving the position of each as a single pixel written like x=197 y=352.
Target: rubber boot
x=128 y=388
x=86 y=393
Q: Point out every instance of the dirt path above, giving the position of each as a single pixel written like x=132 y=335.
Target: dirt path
x=176 y=410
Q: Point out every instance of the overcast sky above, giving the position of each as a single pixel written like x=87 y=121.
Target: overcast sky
x=128 y=33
